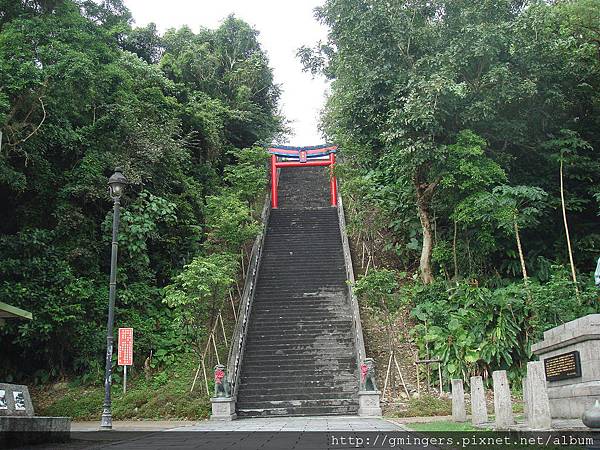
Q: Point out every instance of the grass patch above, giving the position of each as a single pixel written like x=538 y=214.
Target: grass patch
x=424 y=406
x=442 y=426
x=165 y=395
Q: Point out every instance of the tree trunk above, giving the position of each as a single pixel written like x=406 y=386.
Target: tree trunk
x=425 y=262
x=520 y=249
x=564 y=212
x=424 y=193
x=454 y=252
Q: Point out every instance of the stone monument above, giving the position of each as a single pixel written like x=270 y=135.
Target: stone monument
x=18 y=424
x=571 y=357
x=15 y=400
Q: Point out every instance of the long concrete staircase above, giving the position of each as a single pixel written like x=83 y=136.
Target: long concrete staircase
x=299 y=356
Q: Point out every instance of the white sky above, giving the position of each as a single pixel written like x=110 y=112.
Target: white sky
x=284 y=26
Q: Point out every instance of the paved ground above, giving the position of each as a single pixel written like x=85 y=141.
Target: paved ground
x=326 y=423
x=133 y=425
x=269 y=433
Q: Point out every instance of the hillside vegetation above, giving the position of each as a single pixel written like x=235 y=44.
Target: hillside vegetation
x=469 y=133
x=185 y=115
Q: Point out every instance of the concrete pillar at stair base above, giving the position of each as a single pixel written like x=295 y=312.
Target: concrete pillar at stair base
x=502 y=401
x=223 y=408
x=459 y=412
x=368 y=404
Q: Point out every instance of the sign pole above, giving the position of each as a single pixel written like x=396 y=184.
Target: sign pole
x=125 y=380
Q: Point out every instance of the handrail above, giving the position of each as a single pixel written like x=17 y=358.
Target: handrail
x=238 y=342
x=356 y=324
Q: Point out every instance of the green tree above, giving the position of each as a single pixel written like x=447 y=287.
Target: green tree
x=198 y=295
x=512 y=208
x=408 y=77
x=81 y=93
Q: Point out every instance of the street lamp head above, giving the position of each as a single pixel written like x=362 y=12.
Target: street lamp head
x=116 y=183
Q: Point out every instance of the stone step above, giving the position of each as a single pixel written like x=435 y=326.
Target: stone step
x=297 y=371
x=324 y=376
x=320 y=360
x=293 y=307
x=291 y=319
x=287 y=339
x=306 y=343
x=323 y=354
x=337 y=307
x=256 y=368
x=268 y=410
x=299 y=357
x=324 y=296
x=256 y=362
x=303 y=322
x=296 y=334
x=300 y=327
x=301 y=401
x=348 y=387
x=303 y=282
x=297 y=313
x=306 y=387
x=286 y=291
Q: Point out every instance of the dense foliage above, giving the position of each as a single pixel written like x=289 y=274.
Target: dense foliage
x=81 y=92
x=469 y=132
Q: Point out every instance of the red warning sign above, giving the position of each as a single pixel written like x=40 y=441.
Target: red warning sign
x=125 y=347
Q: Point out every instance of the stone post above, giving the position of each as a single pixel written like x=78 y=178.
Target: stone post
x=479 y=413
x=502 y=401
x=539 y=406
x=368 y=404
x=459 y=412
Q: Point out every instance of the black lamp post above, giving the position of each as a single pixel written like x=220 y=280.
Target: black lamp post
x=116 y=184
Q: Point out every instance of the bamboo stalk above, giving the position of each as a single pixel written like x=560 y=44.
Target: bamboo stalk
x=205 y=377
x=223 y=329
x=454 y=251
x=243 y=265
x=215 y=347
x=387 y=375
x=401 y=377
x=564 y=212
x=362 y=261
x=196 y=376
x=233 y=306
x=418 y=381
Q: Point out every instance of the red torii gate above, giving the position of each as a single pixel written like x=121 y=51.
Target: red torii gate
x=302 y=157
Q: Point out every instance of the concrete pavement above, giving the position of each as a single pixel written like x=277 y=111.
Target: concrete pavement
x=257 y=433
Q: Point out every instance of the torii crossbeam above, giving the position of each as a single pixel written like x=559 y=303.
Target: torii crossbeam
x=313 y=156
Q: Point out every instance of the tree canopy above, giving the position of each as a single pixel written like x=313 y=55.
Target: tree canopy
x=81 y=92
x=468 y=136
